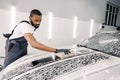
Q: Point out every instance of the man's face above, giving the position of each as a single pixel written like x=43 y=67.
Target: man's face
x=35 y=20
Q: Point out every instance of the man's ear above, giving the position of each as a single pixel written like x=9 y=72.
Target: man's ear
x=29 y=17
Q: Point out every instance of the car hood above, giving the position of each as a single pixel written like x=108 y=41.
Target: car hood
x=86 y=61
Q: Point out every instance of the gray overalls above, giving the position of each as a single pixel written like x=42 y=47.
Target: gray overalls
x=15 y=48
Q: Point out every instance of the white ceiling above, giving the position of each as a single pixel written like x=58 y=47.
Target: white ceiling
x=61 y=8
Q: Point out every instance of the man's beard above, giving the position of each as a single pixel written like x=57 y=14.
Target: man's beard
x=35 y=26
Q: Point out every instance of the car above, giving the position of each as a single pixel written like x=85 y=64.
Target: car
x=96 y=58
x=1 y=62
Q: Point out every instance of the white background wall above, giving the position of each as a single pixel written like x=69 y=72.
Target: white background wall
x=63 y=13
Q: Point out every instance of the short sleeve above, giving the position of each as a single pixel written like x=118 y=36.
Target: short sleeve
x=26 y=28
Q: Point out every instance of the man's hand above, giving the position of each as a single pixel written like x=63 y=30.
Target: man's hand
x=66 y=51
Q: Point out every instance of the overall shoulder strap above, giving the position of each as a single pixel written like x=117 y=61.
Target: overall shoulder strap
x=8 y=35
x=25 y=21
x=20 y=22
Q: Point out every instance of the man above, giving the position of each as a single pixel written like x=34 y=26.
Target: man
x=22 y=34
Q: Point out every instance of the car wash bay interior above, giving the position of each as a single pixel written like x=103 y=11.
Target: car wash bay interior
x=65 y=22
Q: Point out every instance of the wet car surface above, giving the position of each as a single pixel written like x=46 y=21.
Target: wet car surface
x=97 y=58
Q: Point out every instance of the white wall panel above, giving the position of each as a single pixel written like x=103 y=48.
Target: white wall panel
x=63 y=12
x=4 y=27
x=61 y=33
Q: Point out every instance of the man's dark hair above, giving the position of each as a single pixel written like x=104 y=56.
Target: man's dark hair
x=35 y=12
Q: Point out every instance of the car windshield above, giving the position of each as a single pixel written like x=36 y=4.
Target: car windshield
x=105 y=42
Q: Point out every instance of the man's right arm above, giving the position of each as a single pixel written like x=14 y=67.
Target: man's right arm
x=35 y=44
